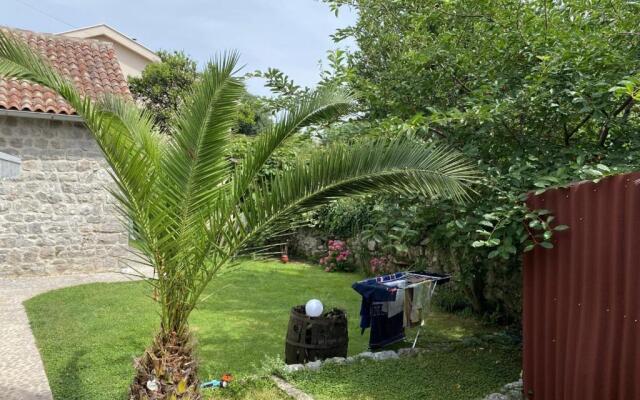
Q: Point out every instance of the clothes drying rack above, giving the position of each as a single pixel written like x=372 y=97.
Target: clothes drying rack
x=413 y=279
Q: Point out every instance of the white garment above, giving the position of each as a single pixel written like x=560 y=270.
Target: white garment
x=396 y=307
x=421 y=304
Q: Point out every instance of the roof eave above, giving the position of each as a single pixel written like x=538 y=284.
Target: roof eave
x=41 y=115
x=120 y=38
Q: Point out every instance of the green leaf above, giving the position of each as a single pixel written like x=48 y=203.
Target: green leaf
x=546 y=245
x=478 y=243
x=561 y=227
x=541 y=184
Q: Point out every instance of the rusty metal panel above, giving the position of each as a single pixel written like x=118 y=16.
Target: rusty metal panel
x=581 y=307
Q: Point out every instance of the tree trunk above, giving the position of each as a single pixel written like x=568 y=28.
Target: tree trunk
x=475 y=292
x=167 y=370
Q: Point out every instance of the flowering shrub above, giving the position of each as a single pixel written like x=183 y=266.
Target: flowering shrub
x=381 y=265
x=338 y=258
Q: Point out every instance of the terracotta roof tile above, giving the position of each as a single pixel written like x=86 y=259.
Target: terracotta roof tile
x=91 y=65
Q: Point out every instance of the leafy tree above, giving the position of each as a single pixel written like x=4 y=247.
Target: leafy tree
x=286 y=92
x=162 y=85
x=540 y=93
x=193 y=214
x=253 y=115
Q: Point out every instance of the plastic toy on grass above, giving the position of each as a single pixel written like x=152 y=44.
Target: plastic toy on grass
x=221 y=383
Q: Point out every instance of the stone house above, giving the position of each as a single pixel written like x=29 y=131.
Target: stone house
x=56 y=214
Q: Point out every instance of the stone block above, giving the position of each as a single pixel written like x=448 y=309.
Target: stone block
x=94 y=219
x=109 y=227
x=84 y=165
x=313 y=365
x=31 y=254
x=41 y=143
x=34 y=227
x=385 y=355
x=110 y=238
x=30 y=165
x=497 y=396
x=7 y=242
x=365 y=354
x=293 y=368
x=20 y=229
x=14 y=217
x=47 y=252
x=16 y=143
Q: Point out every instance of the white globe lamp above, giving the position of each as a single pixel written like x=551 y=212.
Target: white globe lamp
x=313 y=308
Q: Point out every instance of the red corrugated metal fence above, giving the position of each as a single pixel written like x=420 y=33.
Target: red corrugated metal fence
x=581 y=312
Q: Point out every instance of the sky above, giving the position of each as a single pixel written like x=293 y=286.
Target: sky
x=292 y=35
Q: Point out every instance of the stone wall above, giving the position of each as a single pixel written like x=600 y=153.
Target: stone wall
x=56 y=216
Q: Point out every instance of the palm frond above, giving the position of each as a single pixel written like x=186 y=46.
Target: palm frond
x=323 y=105
x=400 y=167
x=194 y=165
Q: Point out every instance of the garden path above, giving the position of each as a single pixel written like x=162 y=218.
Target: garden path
x=22 y=375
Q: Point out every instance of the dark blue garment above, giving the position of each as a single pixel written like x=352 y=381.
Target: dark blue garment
x=371 y=293
x=385 y=330
x=374 y=314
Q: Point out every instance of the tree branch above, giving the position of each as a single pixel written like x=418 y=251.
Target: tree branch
x=569 y=134
x=604 y=131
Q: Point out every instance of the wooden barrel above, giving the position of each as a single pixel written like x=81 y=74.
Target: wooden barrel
x=319 y=338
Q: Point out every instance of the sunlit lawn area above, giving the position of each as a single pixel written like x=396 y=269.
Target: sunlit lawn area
x=464 y=371
x=88 y=336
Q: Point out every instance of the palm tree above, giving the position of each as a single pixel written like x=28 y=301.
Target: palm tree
x=193 y=214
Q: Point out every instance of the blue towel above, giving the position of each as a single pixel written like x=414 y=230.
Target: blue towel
x=374 y=311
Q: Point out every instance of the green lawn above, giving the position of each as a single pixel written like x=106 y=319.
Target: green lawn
x=88 y=336
x=461 y=372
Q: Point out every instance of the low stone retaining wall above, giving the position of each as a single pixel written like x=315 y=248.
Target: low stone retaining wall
x=367 y=355
x=510 y=391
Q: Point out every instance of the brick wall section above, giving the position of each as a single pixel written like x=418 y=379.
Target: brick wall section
x=56 y=216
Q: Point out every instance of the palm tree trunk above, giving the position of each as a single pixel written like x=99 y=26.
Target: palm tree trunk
x=167 y=370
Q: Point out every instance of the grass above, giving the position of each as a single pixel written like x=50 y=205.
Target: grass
x=251 y=389
x=88 y=336
x=460 y=372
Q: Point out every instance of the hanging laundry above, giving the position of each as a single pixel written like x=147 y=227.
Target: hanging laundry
x=420 y=302
x=396 y=306
x=408 y=305
x=382 y=311
x=391 y=303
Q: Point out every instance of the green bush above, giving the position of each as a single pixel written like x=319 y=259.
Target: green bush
x=539 y=94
